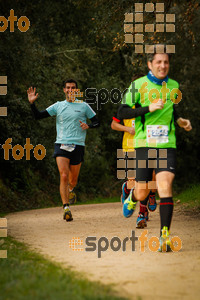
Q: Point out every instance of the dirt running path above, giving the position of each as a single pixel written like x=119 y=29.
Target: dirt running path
x=148 y=274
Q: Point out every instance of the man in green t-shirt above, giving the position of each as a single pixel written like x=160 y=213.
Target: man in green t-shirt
x=155 y=139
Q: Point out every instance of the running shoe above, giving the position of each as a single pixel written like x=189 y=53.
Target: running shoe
x=72 y=198
x=152 y=204
x=141 y=221
x=129 y=206
x=125 y=192
x=165 y=242
x=67 y=214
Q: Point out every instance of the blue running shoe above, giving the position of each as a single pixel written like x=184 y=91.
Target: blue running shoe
x=152 y=204
x=165 y=242
x=125 y=192
x=129 y=206
x=141 y=221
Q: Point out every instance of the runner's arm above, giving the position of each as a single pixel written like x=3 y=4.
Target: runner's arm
x=95 y=122
x=115 y=125
x=32 y=96
x=119 y=127
x=39 y=114
x=126 y=112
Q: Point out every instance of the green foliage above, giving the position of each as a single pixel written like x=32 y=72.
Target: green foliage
x=190 y=197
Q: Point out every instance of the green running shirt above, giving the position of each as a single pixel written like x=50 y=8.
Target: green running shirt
x=156 y=129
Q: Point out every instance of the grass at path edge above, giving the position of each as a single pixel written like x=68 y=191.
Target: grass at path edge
x=27 y=275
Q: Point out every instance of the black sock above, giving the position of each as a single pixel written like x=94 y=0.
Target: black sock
x=66 y=204
x=166 y=211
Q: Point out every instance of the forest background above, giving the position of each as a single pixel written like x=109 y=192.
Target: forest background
x=84 y=39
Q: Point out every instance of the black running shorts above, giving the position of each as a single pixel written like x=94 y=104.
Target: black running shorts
x=148 y=159
x=126 y=164
x=76 y=156
x=130 y=164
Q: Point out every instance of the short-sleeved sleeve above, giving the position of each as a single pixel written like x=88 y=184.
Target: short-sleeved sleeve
x=115 y=118
x=52 y=110
x=89 y=112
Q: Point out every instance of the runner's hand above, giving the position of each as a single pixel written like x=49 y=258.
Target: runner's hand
x=84 y=126
x=131 y=130
x=157 y=105
x=184 y=123
x=32 y=96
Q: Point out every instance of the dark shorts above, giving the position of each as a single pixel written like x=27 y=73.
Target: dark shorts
x=76 y=156
x=148 y=159
x=130 y=164
x=126 y=164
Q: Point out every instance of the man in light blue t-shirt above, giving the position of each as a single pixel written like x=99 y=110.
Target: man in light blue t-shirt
x=71 y=116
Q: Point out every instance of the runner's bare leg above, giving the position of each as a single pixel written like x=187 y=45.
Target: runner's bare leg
x=63 y=164
x=74 y=171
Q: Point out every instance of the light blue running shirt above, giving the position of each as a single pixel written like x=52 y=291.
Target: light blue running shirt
x=68 y=126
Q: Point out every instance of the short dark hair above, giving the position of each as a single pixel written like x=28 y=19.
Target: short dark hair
x=150 y=56
x=70 y=81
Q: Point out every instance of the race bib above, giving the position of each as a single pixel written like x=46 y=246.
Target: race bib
x=68 y=147
x=133 y=123
x=157 y=133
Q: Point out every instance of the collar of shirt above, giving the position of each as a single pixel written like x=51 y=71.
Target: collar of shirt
x=156 y=80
